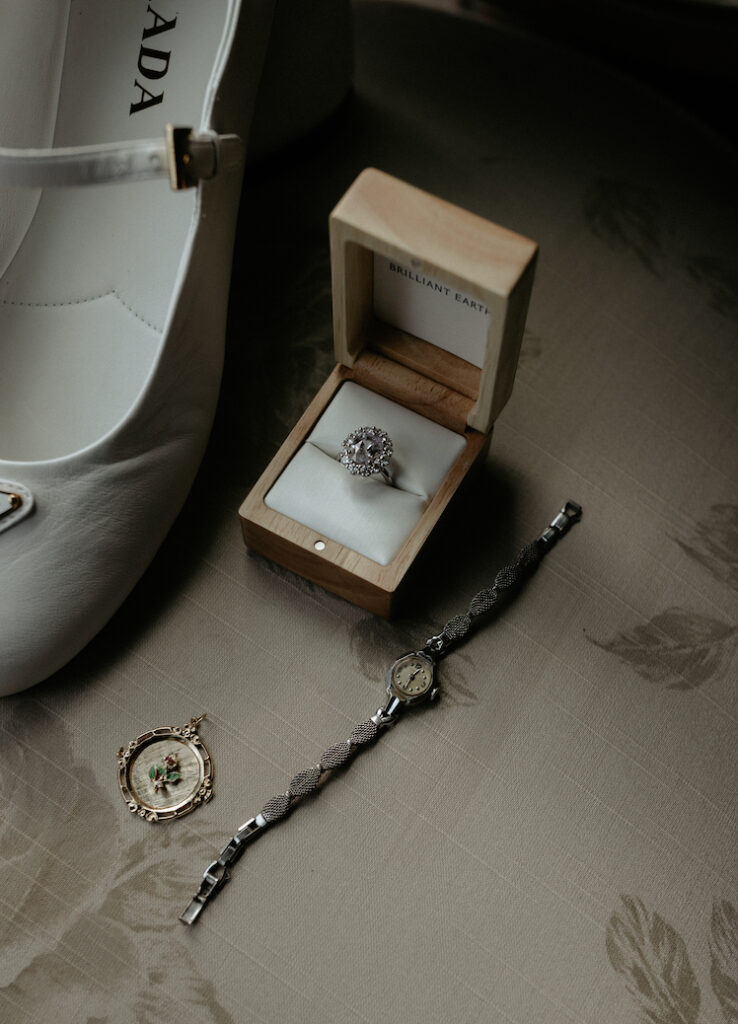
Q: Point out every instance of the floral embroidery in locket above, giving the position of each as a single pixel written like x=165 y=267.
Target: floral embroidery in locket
x=165 y=773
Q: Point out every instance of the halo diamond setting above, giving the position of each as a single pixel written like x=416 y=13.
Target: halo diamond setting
x=367 y=450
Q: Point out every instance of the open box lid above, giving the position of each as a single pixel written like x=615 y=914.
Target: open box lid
x=431 y=287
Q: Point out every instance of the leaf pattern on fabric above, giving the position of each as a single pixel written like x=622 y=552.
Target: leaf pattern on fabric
x=57 y=982
x=653 y=959
x=146 y=895
x=714 y=543
x=626 y=216
x=724 y=954
x=180 y=970
x=678 y=648
x=720 y=278
x=31 y=793
x=101 y=963
x=102 y=948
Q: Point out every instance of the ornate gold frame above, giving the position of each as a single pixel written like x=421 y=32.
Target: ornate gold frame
x=197 y=791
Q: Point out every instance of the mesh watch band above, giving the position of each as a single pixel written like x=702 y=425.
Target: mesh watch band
x=507 y=581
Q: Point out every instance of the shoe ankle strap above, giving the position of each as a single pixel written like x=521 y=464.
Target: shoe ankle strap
x=183 y=157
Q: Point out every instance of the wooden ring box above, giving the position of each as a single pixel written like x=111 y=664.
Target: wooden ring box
x=395 y=247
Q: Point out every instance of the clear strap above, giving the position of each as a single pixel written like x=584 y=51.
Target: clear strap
x=182 y=157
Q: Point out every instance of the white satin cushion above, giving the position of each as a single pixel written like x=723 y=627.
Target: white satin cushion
x=365 y=515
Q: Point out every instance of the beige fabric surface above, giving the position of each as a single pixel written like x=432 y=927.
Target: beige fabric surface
x=555 y=841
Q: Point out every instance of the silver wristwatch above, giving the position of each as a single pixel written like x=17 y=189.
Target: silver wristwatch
x=411 y=679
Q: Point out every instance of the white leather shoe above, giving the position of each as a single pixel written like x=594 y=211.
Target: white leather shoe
x=112 y=296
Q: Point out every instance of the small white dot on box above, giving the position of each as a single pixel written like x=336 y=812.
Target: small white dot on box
x=319 y=545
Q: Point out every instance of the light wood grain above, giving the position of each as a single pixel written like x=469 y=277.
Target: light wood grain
x=380 y=214
x=430 y=360
x=335 y=567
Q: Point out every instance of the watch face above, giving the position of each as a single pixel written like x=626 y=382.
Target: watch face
x=411 y=676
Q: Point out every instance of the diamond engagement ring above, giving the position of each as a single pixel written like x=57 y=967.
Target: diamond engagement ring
x=368 y=450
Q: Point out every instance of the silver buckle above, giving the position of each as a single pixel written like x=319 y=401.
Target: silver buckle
x=569 y=514
x=192 y=159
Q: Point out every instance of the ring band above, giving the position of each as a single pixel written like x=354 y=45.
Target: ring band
x=366 y=451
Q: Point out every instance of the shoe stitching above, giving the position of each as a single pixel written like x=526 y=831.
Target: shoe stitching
x=82 y=302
